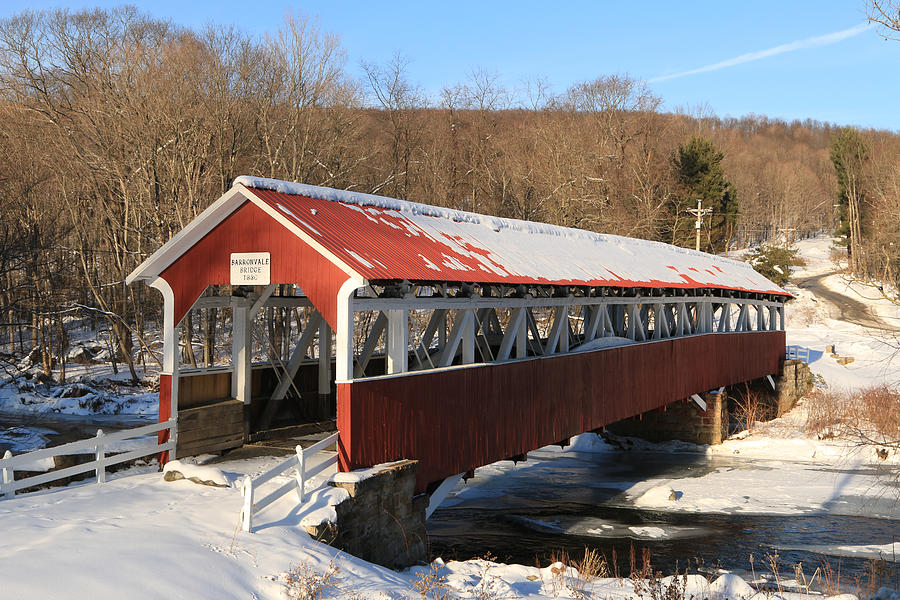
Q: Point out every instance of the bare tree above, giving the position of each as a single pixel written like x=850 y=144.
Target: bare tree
x=886 y=13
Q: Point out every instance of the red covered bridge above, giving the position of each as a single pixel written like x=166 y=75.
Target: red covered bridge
x=450 y=337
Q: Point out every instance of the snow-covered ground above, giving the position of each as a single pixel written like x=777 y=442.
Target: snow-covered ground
x=141 y=537
x=814 y=323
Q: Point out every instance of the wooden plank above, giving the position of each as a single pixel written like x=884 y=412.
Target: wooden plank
x=206 y=420
x=207 y=448
x=211 y=428
x=197 y=435
x=221 y=436
x=197 y=389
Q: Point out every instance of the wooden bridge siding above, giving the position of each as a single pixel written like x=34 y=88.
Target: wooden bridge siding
x=459 y=419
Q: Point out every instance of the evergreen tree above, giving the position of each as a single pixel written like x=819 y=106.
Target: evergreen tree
x=700 y=176
x=849 y=154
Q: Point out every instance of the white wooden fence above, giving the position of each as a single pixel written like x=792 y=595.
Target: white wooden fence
x=798 y=352
x=298 y=462
x=9 y=485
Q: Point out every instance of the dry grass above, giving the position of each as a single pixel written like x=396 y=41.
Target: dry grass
x=303 y=582
x=577 y=576
x=868 y=417
x=433 y=584
x=651 y=585
x=749 y=408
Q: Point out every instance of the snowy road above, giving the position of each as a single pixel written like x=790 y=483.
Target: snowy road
x=850 y=309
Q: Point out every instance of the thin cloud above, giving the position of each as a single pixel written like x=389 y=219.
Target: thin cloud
x=813 y=42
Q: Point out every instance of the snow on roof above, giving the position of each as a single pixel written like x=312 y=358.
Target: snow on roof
x=385 y=238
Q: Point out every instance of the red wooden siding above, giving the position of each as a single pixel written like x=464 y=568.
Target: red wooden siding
x=458 y=419
x=165 y=412
x=249 y=229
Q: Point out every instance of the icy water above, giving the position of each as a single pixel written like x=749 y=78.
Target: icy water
x=24 y=432
x=572 y=501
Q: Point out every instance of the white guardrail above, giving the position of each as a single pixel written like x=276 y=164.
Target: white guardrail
x=298 y=462
x=9 y=464
x=798 y=352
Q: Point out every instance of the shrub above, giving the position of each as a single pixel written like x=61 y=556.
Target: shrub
x=774 y=262
x=433 y=584
x=749 y=408
x=305 y=583
x=867 y=417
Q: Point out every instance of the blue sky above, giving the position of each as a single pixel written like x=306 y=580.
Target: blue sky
x=786 y=59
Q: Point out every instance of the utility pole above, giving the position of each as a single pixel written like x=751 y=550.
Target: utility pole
x=699 y=212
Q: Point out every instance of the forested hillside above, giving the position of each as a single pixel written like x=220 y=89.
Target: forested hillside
x=117 y=129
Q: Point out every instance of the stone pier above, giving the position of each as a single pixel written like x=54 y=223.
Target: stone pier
x=382 y=521
x=684 y=421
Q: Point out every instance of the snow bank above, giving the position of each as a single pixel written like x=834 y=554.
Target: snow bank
x=657 y=496
x=22 y=396
x=731 y=587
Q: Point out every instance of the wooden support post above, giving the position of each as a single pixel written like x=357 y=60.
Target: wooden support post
x=468 y=337
x=464 y=319
x=170 y=360
x=560 y=316
x=635 y=324
x=604 y=325
x=398 y=341
x=522 y=336
x=743 y=323
x=307 y=336
x=324 y=358
x=344 y=332
x=659 y=322
x=241 y=378
x=535 y=332
x=437 y=323
x=513 y=333
x=618 y=320
x=724 y=315
x=592 y=323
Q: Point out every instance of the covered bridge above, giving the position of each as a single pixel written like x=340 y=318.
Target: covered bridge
x=454 y=338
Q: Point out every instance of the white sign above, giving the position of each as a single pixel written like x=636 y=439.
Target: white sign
x=250 y=268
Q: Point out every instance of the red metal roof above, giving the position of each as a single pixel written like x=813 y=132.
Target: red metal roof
x=382 y=238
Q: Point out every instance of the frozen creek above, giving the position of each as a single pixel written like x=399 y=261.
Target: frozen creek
x=572 y=500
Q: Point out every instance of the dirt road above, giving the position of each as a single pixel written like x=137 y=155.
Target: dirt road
x=851 y=309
